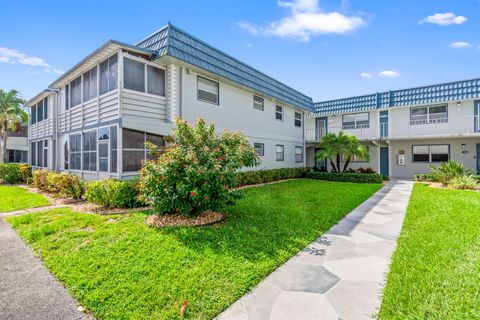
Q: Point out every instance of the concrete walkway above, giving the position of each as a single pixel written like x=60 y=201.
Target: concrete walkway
x=27 y=290
x=340 y=275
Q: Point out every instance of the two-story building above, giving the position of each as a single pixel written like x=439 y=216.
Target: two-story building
x=95 y=119
x=406 y=131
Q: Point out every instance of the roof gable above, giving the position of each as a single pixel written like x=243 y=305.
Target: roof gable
x=177 y=43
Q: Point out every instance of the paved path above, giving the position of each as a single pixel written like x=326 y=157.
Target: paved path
x=27 y=290
x=340 y=275
x=30 y=210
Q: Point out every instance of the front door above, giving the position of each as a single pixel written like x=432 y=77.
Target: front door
x=384 y=165
x=478 y=158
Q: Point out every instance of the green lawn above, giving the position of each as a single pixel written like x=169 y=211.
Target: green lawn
x=119 y=268
x=16 y=198
x=435 y=272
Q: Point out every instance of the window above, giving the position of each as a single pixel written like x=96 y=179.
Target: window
x=155 y=81
x=108 y=74
x=67 y=97
x=45 y=108
x=134 y=150
x=75 y=152
x=259 y=149
x=298 y=154
x=113 y=149
x=90 y=84
x=39 y=111
x=103 y=133
x=45 y=153
x=431 y=153
x=65 y=152
x=33 y=154
x=355 y=158
x=207 y=90
x=429 y=114
x=278 y=112
x=76 y=92
x=356 y=121
x=134 y=75
x=90 y=151
x=103 y=156
x=258 y=103
x=33 y=114
x=298 y=119
x=17 y=156
x=280 y=155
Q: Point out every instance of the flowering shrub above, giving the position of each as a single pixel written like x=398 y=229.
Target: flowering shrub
x=196 y=171
x=64 y=184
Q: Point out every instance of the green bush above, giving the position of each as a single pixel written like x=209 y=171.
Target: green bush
x=347 y=177
x=113 y=193
x=63 y=184
x=10 y=173
x=265 y=176
x=197 y=170
x=25 y=171
x=464 y=182
x=420 y=177
x=447 y=171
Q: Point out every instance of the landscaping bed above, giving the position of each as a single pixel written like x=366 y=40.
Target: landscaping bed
x=118 y=267
x=435 y=269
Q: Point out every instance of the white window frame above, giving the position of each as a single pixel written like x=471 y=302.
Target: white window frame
x=428 y=120
x=256 y=103
x=295 y=119
x=216 y=93
x=356 y=125
x=89 y=151
x=299 y=154
x=429 y=146
x=145 y=74
x=261 y=147
x=277 y=112
x=71 y=153
x=282 y=153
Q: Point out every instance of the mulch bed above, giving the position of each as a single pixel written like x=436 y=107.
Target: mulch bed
x=439 y=185
x=87 y=207
x=175 y=220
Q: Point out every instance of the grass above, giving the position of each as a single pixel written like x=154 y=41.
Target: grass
x=119 y=268
x=16 y=198
x=435 y=273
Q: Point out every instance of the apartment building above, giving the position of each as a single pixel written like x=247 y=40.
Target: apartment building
x=94 y=120
x=17 y=145
x=406 y=131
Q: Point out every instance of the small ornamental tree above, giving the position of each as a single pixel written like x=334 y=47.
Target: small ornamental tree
x=196 y=170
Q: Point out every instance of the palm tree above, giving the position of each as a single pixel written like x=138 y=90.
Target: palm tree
x=333 y=146
x=12 y=112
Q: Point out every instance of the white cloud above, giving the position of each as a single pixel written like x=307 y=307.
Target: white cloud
x=305 y=20
x=366 y=75
x=389 y=74
x=444 y=19
x=249 y=45
x=460 y=45
x=13 y=56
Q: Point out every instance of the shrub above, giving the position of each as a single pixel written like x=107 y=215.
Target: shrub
x=265 y=176
x=464 y=182
x=113 y=193
x=197 y=170
x=63 y=184
x=447 y=171
x=347 y=177
x=10 y=173
x=423 y=177
x=365 y=170
x=25 y=172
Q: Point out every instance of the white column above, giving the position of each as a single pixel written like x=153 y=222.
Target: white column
x=172 y=93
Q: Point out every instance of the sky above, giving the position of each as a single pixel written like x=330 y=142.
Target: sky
x=326 y=49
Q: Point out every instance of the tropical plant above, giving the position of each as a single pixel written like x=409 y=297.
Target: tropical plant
x=334 y=145
x=446 y=171
x=464 y=182
x=12 y=113
x=197 y=170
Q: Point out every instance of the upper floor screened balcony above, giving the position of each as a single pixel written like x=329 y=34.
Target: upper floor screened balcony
x=41 y=121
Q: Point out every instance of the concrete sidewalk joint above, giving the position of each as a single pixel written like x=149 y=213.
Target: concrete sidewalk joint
x=340 y=275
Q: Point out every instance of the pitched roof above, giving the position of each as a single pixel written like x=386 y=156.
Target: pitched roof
x=179 y=44
x=438 y=93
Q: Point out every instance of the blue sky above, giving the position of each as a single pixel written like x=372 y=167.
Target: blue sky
x=325 y=49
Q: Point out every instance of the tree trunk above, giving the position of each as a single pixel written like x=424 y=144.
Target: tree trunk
x=3 y=146
x=346 y=163
x=333 y=165
x=338 y=162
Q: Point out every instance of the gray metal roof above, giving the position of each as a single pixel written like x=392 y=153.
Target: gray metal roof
x=437 y=93
x=179 y=44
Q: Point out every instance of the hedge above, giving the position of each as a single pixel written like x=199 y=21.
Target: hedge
x=113 y=193
x=63 y=184
x=347 y=177
x=264 y=176
x=15 y=173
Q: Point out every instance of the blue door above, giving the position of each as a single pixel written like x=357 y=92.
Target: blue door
x=384 y=166
x=478 y=158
